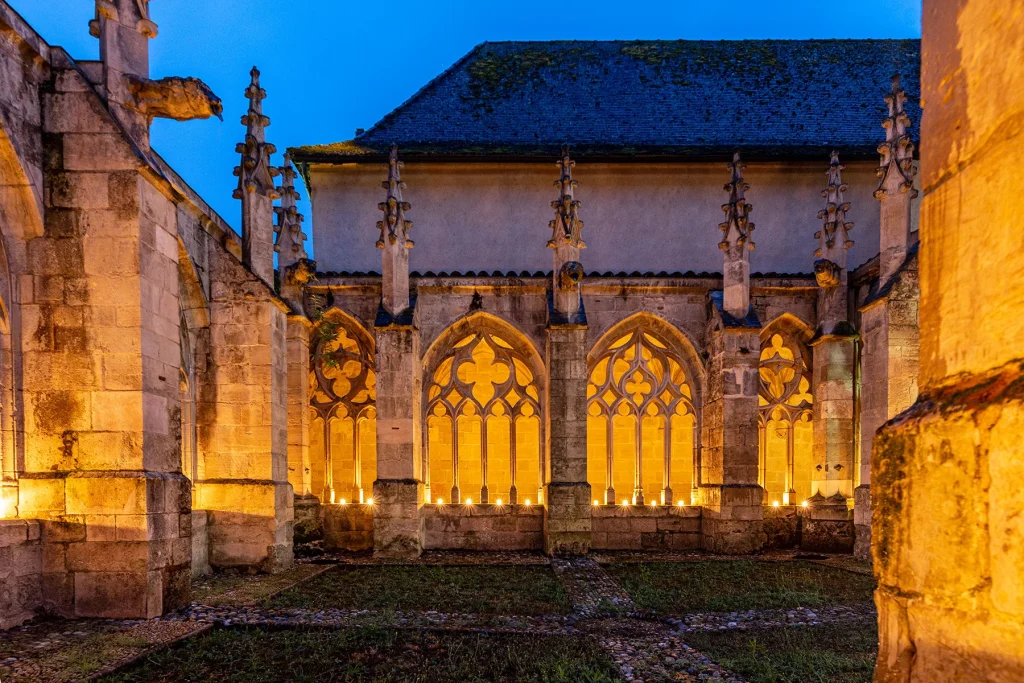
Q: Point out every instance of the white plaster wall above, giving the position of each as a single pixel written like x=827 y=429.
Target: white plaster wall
x=639 y=217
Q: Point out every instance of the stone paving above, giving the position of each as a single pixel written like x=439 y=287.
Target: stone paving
x=645 y=647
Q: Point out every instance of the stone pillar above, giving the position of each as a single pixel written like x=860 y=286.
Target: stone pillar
x=398 y=489
x=567 y=505
x=889 y=321
x=299 y=474
x=243 y=425
x=729 y=492
x=948 y=525
x=834 y=347
x=124 y=30
x=102 y=464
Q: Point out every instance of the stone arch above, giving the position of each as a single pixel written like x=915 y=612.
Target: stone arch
x=342 y=401
x=785 y=400
x=644 y=384
x=484 y=410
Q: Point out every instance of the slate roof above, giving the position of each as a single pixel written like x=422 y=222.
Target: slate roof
x=787 y=99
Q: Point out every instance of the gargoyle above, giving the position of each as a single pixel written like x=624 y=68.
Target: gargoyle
x=174 y=97
x=570 y=275
x=301 y=272
x=826 y=273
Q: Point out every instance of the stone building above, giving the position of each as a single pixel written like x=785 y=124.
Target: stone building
x=175 y=395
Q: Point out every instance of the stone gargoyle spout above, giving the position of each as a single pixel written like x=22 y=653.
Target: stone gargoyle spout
x=175 y=97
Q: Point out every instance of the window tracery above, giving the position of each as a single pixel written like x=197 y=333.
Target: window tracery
x=342 y=397
x=483 y=423
x=785 y=410
x=641 y=419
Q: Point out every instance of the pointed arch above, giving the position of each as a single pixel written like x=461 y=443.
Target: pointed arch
x=483 y=403
x=192 y=296
x=785 y=401
x=643 y=411
x=343 y=402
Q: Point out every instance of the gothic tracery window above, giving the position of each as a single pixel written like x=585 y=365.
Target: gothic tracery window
x=785 y=405
x=342 y=399
x=641 y=421
x=483 y=424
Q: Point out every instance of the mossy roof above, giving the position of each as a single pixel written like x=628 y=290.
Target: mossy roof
x=785 y=99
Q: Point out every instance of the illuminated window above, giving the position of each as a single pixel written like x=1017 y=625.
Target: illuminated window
x=786 y=436
x=483 y=426
x=186 y=387
x=343 y=429
x=641 y=423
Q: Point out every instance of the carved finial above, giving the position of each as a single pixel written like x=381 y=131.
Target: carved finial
x=896 y=171
x=835 y=230
x=290 y=238
x=737 y=226
x=255 y=174
x=394 y=229
x=566 y=228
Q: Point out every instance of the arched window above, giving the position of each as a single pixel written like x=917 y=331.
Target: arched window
x=186 y=386
x=342 y=399
x=641 y=422
x=786 y=435
x=483 y=423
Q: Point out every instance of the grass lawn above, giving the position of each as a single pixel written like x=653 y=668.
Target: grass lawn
x=820 y=654
x=222 y=590
x=256 y=656
x=734 y=585
x=484 y=590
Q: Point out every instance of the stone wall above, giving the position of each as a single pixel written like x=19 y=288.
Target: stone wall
x=348 y=527
x=200 y=544
x=21 y=567
x=666 y=527
x=482 y=527
x=948 y=526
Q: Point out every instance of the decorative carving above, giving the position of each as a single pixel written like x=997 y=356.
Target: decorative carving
x=174 y=97
x=255 y=174
x=896 y=171
x=570 y=275
x=290 y=237
x=107 y=10
x=566 y=228
x=785 y=382
x=737 y=226
x=301 y=272
x=394 y=229
x=827 y=273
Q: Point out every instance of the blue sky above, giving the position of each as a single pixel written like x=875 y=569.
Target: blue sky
x=331 y=66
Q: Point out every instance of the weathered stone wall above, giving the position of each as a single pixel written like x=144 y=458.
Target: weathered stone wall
x=21 y=569
x=666 y=527
x=482 y=527
x=200 y=544
x=494 y=216
x=948 y=526
x=348 y=527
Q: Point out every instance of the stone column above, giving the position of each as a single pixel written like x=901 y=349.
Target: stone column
x=729 y=489
x=889 y=321
x=567 y=505
x=398 y=489
x=567 y=501
x=729 y=492
x=124 y=29
x=243 y=425
x=102 y=465
x=834 y=348
x=299 y=474
x=948 y=525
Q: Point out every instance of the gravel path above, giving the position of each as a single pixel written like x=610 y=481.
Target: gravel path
x=591 y=589
x=775 y=618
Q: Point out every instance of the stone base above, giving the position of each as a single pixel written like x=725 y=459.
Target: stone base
x=21 y=566
x=309 y=524
x=397 y=528
x=862 y=523
x=947 y=534
x=250 y=523
x=483 y=527
x=348 y=527
x=781 y=527
x=567 y=524
x=200 y=544
x=827 y=525
x=733 y=518
x=665 y=527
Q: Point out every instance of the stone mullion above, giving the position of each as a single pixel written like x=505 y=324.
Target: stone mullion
x=455 y=461
x=513 y=491
x=666 y=491
x=357 y=459
x=483 y=459
x=609 y=493
x=328 y=461
x=790 y=460
x=638 y=484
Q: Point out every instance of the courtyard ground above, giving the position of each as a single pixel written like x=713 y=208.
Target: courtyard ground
x=486 y=617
